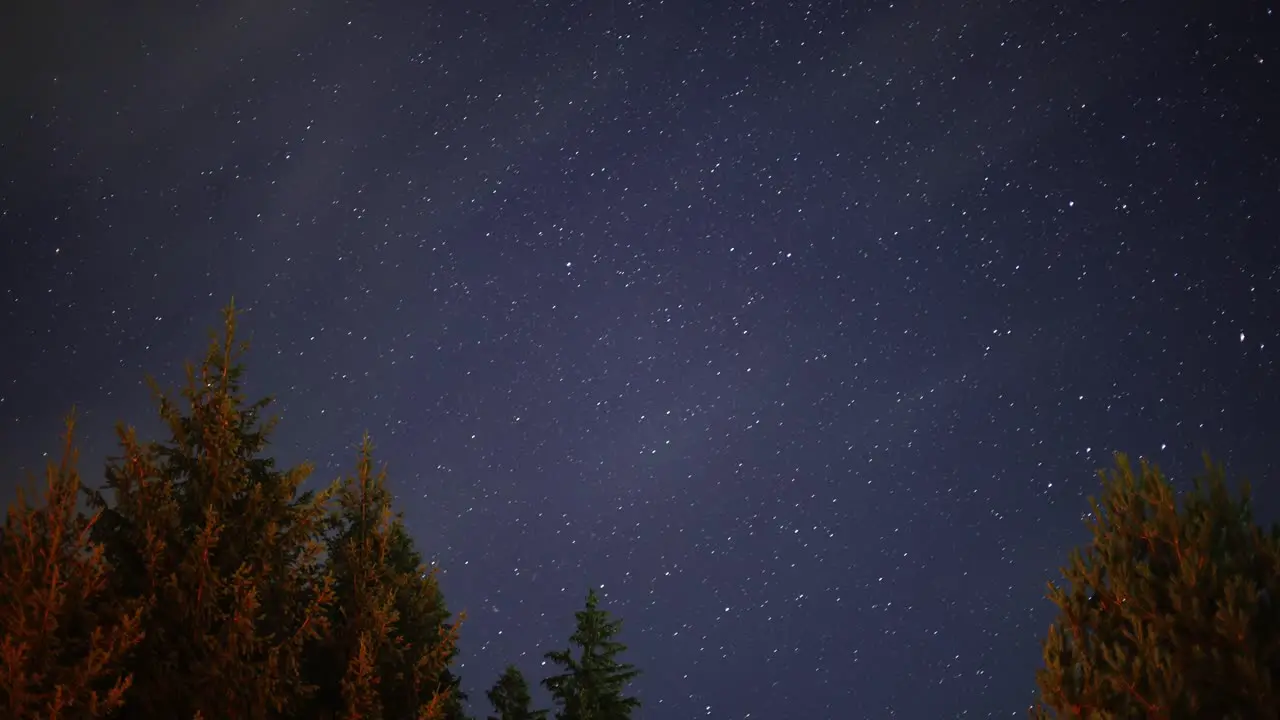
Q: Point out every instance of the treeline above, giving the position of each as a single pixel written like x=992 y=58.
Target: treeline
x=202 y=581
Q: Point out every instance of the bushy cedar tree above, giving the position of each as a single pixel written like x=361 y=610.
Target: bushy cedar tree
x=1171 y=611
x=592 y=681
x=510 y=698
x=60 y=655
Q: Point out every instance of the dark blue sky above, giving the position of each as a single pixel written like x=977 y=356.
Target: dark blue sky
x=798 y=328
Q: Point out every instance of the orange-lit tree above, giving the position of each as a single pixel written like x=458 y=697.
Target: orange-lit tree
x=220 y=545
x=1171 y=611
x=62 y=648
x=390 y=644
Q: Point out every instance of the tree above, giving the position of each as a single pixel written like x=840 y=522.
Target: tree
x=58 y=658
x=389 y=646
x=218 y=544
x=455 y=701
x=424 y=617
x=205 y=585
x=510 y=698
x=1169 y=612
x=591 y=686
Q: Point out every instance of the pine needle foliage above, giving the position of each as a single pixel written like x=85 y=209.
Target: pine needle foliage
x=593 y=680
x=423 y=622
x=58 y=657
x=1171 y=610
x=510 y=698
x=206 y=532
x=387 y=654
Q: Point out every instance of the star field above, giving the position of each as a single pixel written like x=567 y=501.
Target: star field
x=797 y=328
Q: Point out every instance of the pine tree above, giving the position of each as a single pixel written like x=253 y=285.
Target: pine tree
x=423 y=622
x=455 y=702
x=206 y=531
x=390 y=644
x=58 y=657
x=510 y=698
x=1170 y=612
x=591 y=686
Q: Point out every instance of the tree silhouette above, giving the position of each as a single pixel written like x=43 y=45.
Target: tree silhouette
x=592 y=683
x=510 y=698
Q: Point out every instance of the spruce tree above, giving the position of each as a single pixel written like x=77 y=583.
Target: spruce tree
x=1170 y=611
x=455 y=702
x=218 y=543
x=510 y=698
x=62 y=649
x=387 y=654
x=423 y=621
x=592 y=682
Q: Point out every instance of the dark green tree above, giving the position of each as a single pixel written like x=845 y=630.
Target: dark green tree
x=59 y=658
x=387 y=653
x=1170 y=611
x=510 y=698
x=204 y=531
x=593 y=680
x=455 y=702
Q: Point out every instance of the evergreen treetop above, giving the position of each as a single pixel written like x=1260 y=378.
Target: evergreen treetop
x=205 y=583
x=1170 y=611
x=510 y=698
x=389 y=648
x=62 y=653
x=592 y=682
x=216 y=542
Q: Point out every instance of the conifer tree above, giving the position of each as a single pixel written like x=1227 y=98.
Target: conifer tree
x=58 y=657
x=1170 y=611
x=510 y=698
x=219 y=544
x=423 y=620
x=592 y=682
x=387 y=654
x=455 y=702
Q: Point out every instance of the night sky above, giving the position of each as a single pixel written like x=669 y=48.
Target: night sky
x=799 y=329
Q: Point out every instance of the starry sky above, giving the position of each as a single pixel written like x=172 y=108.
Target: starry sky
x=797 y=328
